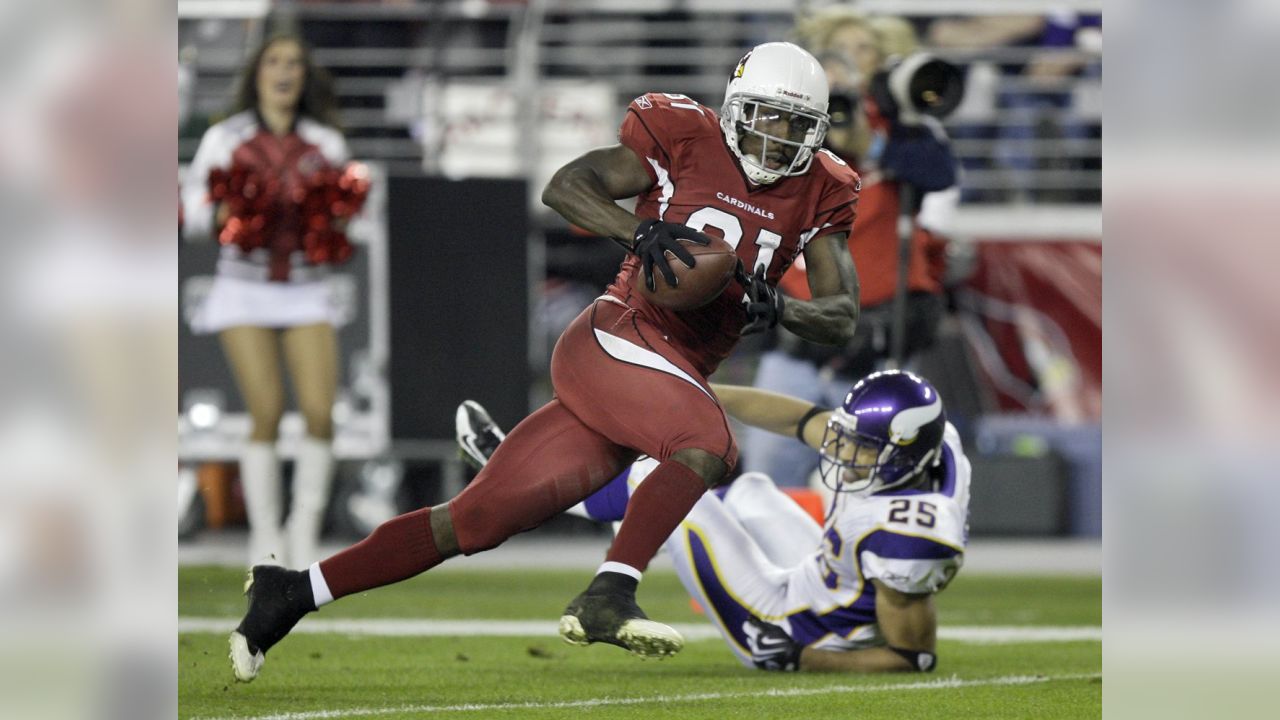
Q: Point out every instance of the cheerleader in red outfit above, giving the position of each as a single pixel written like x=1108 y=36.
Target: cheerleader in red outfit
x=264 y=182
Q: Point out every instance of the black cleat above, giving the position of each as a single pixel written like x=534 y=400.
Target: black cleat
x=607 y=612
x=278 y=599
x=478 y=435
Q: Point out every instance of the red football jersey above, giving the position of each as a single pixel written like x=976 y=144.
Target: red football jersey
x=697 y=181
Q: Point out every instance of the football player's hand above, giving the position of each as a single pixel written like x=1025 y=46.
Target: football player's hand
x=764 y=302
x=771 y=647
x=654 y=239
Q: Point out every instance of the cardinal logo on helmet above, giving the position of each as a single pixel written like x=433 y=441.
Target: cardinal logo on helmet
x=781 y=78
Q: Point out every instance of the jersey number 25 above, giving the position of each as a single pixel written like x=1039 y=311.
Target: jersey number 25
x=925 y=514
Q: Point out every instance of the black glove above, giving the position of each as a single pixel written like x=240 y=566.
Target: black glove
x=764 y=303
x=654 y=239
x=771 y=647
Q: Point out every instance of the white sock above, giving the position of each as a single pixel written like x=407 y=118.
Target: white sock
x=617 y=567
x=312 y=477
x=320 y=593
x=263 y=498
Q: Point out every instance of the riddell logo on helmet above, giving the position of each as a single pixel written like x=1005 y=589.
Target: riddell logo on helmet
x=788 y=93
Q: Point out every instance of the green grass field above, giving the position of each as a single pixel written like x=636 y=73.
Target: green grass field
x=361 y=675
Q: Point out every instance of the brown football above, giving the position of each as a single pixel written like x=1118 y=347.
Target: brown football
x=698 y=285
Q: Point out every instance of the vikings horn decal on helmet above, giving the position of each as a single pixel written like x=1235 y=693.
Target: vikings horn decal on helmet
x=775 y=111
x=886 y=433
x=905 y=427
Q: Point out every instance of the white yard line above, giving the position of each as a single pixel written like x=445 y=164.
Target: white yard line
x=939 y=684
x=978 y=634
x=1005 y=635
x=1081 y=557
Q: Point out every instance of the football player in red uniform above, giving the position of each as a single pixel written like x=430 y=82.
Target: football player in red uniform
x=631 y=377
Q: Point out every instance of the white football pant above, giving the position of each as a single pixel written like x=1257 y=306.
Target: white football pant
x=748 y=546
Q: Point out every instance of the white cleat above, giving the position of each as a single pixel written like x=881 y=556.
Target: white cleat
x=650 y=639
x=640 y=637
x=571 y=631
x=244 y=664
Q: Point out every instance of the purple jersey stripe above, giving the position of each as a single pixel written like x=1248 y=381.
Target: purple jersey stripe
x=609 y=503
x=905 y=547
x=947 y=484
x=806 y=626
x=732 y=615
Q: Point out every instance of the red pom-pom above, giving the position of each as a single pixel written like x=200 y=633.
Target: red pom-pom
x=243 y=189
x=327 y=246
x=250 y=197
x=331 y=194
x=354 y=184
x=253 y=198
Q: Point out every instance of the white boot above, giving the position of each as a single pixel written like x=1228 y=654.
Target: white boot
x=263 y=499
x=312 y=477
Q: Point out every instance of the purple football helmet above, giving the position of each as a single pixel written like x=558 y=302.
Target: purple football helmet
x=887 y=432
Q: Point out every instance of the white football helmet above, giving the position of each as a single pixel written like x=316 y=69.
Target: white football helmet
x=775 y=111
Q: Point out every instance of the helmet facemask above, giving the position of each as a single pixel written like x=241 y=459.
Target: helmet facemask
x=863 y=464
x=772 y=139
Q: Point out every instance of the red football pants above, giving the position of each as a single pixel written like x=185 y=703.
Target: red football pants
x=621 y=390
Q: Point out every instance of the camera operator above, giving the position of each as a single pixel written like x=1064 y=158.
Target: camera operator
x=890 y=143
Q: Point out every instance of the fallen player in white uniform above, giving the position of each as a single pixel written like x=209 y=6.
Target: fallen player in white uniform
x=788 y=594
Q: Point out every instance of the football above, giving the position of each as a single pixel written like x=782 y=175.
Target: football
x=696 y=286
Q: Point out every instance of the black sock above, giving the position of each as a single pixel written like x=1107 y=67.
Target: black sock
x=612 y=583
x=297 y=591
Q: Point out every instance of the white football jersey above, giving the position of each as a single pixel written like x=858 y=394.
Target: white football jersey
x=911 y=540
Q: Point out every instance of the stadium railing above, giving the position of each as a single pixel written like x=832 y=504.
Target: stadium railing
x=391 y=92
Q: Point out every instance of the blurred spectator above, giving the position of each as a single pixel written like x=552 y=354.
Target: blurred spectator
x=251 y=186
x=898 y=36
x=1030 y=101
x=887 y=153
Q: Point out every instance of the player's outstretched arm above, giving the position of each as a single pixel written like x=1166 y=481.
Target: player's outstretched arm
x=584 y=191
x=909 y=624
x=831 y=316
x=772 y=411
